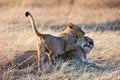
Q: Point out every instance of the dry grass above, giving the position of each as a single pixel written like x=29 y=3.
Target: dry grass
x=16 y=36
x=106 y=54
x=78 y=3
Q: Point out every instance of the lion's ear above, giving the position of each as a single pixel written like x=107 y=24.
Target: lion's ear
x=70 y=25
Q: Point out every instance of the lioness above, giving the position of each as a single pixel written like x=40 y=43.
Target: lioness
x=24 y=59
x=86 y=44
x=30 y=57
x=56 y=45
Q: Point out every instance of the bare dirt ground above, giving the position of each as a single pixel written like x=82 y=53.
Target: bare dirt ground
x=16 y=36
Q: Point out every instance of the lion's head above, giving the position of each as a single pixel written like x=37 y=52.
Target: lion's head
x=86 y=43
x=74 y=30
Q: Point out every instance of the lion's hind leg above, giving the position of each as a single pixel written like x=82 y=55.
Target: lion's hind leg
x=41 y=56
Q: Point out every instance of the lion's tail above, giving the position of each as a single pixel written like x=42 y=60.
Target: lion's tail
x=33 y=23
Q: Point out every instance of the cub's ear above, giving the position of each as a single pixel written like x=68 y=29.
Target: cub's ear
x=70 y=25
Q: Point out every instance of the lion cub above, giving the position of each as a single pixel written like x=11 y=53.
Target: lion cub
x=53 y=44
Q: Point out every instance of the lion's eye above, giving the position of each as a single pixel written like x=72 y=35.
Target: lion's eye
x=77 y=37
x=91 y=42
x=85 y=45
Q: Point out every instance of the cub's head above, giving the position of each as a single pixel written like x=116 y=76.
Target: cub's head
x=86 y=43
x=74 y=30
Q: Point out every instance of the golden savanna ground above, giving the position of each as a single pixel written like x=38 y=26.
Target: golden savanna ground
x=16 y=35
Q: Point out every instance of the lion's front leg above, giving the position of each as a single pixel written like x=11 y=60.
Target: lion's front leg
x=84 y=58
x=71 y=47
